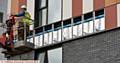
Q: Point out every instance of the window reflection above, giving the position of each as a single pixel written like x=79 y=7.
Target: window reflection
x=36 y=41
x=67 y=30
x=91 y=27
x=88 y=23
x=44 y=16
x=31 y=40
x=77 y=27
x=57 y=32
x=50 y=56
x=54 y=10
x=41 y=40
x=85 y=28
x=41 y=57
x=80 y=30
x=28 y=39
x=75 y=31
x=67 y=33
x=48 y=34
x=55 y=36
x=99 y=20
x=46 y=39
x=42 y=3
x=55 y=55
x=50 y=37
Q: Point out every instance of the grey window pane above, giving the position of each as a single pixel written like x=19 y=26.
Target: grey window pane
x=85 y=28
x=55 y=56
x=42 y=3
x=80 y=30
x=42 y=17
x=102 y=24
x=91 y=27
x=41 y=57
x=37 y=41
x=54 y=11
x=46 y=39
x=99 y=24
x=1 y=17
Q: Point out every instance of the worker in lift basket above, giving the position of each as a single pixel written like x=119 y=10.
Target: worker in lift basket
x=25 y=21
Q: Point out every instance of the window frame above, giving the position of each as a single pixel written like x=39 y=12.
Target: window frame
x=99 y=14
x=1 y=17
x=37 y=15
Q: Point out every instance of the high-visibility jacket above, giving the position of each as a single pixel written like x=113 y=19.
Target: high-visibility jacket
x=26 y=18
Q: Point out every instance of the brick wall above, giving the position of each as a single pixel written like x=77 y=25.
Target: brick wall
x=100 y=48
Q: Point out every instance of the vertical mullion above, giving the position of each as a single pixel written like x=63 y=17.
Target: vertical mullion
x=57 y=34
x=48 y=37
x=88 y=26
x=82 y=23
x=47 y=11
x=93 y=21
x=43 y=35
x=61 y=19
x=72 y=26
x=77 y=30
x=62 y=32
x=52 y=31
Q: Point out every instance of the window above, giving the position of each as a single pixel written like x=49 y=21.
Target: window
x=99 y=20
x=77 y=27
x=88 y=23
x=55 y=55
x=42 y=3
x=40 y=12
x=43 y=16
x=36 y=41
x=48 y=34
x=57 y=32
x=39 y=37
x=54 y=11
x=1 y=17
x=41 y=57
x=87 y=6
x=50 y=56
x=67 y=30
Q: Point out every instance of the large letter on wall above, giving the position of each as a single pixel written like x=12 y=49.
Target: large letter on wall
x=111 y=17
x=67 y=9
x=87 y=6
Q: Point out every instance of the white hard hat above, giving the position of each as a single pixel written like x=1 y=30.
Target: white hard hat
x=23 y=6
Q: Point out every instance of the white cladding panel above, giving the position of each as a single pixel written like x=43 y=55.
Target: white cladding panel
x=67 y=9
x=118 y=15
x=87 y=6
x=54 y=11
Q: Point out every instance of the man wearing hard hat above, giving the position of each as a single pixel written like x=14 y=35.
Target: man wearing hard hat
x=25 y=21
